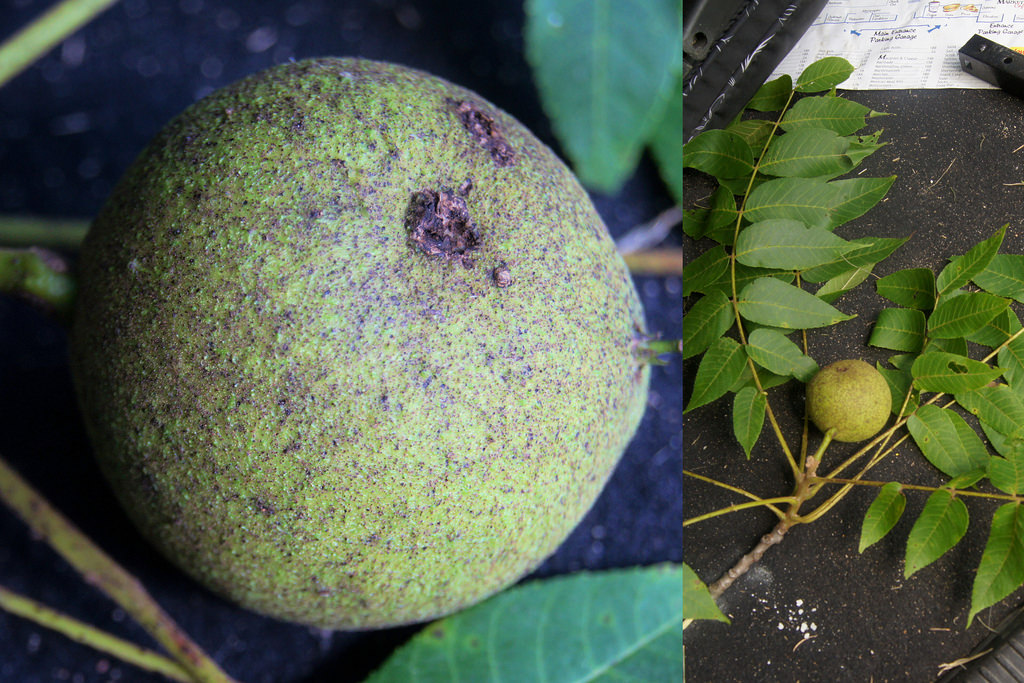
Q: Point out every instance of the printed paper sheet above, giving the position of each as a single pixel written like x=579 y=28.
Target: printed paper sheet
x=898 y=44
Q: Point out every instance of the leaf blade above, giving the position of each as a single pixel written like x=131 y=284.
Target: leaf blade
x=771 y=302
x=719 y=370
x=1001 y=570
x=788 y=245
x=951 y=373
x=882 y=515
x=947 y=441
x=605 y=72
x=584 y=626
x=962 y=269
x=940 y=526
x=748 y=410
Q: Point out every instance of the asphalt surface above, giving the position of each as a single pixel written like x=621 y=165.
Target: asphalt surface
x=70 y=125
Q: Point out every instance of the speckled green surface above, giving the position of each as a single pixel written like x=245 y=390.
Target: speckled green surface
x=307 y=412
x=850 y=396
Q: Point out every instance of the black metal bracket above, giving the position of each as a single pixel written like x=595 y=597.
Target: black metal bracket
x=994 y=63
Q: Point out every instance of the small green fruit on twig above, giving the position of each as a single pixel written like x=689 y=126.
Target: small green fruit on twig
x=851 y=397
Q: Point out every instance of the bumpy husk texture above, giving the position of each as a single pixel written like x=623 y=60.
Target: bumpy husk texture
x=353 y=347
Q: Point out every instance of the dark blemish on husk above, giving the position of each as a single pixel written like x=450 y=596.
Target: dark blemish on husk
x=486 y=132
x=502 y=275
x=440 y=225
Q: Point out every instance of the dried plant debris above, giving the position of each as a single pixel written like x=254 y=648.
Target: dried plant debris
x=440 y=225
x=486 y=132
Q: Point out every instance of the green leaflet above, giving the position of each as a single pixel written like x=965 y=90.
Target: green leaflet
x=961 y=315
x=755 y=131
x=788 y=245
x=839 y=115
x=1007 y=473
x=883 y=514
x=940 y=526
x=963 y=269
x=913 y=288
x=705 y=269
x=774 y=352
x=997 y=330
x=590 y=626
x=867 y=251
x=951 y=373
x=947 y=441
x=773 y=95
x=998 y=406
x=606 y=72
x=807 y=200
x=807 y=153
x=1003 y=276
x=697 y=601
x=823 y=74
x=667 y=143
x=899 y=329
x=748 y=409
x=719 y=369
x=771 y=302
x=1001 y=570
x=842 y=283
x=852 y=197
x=899 y=383
x=1011 y=359
x=815 y=202
x=719 y=153
x=744 y=276
x=705 y=322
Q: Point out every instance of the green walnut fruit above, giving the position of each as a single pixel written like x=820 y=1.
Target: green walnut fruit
x=353 y=347
x=851 y=397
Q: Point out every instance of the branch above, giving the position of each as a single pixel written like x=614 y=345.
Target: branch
x=19 y=51
x=101 y=571
x=89 y=635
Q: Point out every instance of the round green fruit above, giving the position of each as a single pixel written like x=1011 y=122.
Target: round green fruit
x=851 y=397
x=353 y=347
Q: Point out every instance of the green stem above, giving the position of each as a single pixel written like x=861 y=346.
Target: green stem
x=780 y=437
x=89 y=635
x=54 y=233
x=32 y=42
x=39 y=276
x=920 y=487
x=101 y=571
x=761 y=502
